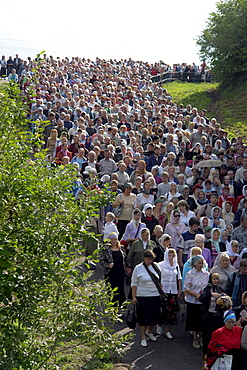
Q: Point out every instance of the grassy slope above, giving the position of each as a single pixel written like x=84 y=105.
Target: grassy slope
x=227 y=105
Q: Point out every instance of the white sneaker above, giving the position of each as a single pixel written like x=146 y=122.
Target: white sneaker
x=144 y=343
x=168 y=335
x=151 y=336
x=159 y=330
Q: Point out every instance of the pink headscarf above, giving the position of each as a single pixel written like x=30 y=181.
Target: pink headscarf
x=173 y=220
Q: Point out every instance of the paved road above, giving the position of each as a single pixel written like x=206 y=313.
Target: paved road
x=165 y=354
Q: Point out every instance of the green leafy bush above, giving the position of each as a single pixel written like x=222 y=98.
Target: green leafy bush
x=45 y=301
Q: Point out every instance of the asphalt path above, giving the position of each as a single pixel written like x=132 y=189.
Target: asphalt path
x=164 y=354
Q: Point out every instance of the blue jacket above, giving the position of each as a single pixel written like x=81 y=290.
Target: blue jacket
x=152 y=161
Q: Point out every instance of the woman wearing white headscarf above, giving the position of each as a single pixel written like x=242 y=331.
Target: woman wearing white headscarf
x=171 y=281
x=217 y=147
x=204 y=222
x=243 y=254
x=175 y=228
x=232 y=251
x=227 y=214
x=139 y=246
x=134 y=227
x=164 y=243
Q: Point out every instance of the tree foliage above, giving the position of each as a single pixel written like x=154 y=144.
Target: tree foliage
x=224 y=40
x=45 y=300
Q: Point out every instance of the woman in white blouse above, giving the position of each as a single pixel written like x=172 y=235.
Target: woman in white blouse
x=196 y=279
x=146 y=295
x=185 y=213
x=171 y=281
x=173 y=193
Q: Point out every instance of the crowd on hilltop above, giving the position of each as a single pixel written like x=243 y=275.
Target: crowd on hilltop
x=179 y=186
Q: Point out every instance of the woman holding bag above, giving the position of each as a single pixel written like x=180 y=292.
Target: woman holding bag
x=127 y=199
x=133 y=228
x=223 y=342
x=147 y=296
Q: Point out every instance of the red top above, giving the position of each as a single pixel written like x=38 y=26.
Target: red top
x=229 y=338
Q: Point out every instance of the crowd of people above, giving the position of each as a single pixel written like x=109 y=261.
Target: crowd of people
x=182 y=72
x=178 y=221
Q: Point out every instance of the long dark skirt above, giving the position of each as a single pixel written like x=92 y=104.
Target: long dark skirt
x=116 y=277
x=171 y=309
x=194 y=318
x=3 y=72
x=121 y=226
x=206 y=333
x=148 y=310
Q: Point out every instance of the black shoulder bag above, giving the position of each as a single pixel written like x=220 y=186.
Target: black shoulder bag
x=156 y=281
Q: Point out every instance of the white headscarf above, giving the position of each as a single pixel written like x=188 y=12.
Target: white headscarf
x=166 y=264
x=243 y=252
x=229 y=250
x=147 y=206
x=244 y=190
x=135 y=223
x=145 y=242
x=163 y=237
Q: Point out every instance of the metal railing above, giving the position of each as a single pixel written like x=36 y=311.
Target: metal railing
x=185 y=76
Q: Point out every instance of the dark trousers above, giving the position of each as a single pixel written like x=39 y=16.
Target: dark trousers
x=121 y=226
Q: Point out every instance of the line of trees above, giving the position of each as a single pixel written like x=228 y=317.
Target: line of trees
x=223 y=43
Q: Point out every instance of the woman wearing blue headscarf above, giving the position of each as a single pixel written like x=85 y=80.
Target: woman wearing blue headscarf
x=214 y=244
x=216 y=221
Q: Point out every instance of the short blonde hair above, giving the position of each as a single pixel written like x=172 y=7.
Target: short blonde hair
x=200 y=237
x=195 y=250
x=157 y=227
x=224 y=255
x=169 y=204
x=110 y=214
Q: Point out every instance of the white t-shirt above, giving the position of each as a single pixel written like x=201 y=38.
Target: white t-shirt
x=140 y=199
x=109 y=228
x=142 y=280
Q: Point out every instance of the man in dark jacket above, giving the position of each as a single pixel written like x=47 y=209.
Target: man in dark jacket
x=236 y=284
x=148 y=218
x=185 y=196
x=155 y=159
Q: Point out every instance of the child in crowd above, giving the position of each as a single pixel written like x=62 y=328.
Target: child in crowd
x=109 y=227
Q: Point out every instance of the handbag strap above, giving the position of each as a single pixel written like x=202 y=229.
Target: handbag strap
x=137 y=230
x=156 y=281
